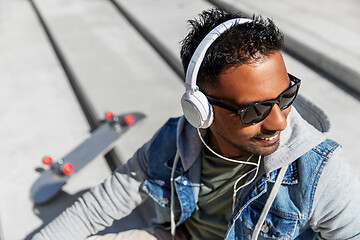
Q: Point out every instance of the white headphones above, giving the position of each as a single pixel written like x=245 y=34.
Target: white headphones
x=197 y=110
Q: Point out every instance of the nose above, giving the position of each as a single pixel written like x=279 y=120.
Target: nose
x=276 y=120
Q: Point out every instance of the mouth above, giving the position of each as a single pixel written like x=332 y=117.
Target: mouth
x=269 y=140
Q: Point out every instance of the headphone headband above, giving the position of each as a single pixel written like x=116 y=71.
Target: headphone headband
x=199 y=54
x=197 y=110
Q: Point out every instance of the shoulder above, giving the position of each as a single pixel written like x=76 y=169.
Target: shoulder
x=319 y=155
x=162 y=147
x=336 y=208
x=166 y=135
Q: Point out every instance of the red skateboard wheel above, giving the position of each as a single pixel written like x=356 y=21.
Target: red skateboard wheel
x=68 y=168
x=129 y=119
x=109 y=115
x=47 y=160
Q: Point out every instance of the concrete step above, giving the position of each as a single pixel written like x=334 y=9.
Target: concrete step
x=324 y=33
x=40 y=114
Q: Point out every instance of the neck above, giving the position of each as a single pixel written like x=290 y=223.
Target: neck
x=219 y=145
x=227 y=158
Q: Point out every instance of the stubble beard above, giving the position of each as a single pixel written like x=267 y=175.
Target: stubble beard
x=255 y=148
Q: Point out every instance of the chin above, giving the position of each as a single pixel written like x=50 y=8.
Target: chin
x=265 y=150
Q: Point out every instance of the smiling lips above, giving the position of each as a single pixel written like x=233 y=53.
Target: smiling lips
x=270 y=139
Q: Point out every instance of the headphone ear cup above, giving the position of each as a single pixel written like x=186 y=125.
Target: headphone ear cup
x=197 y=109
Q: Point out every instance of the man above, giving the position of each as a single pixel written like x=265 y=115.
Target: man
x=243 y=164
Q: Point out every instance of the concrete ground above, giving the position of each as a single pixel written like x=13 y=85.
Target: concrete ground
x=119 y=70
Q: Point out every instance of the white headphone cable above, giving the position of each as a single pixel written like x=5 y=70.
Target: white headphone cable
x=172 y=201
x=222 y=157
x=236 y=190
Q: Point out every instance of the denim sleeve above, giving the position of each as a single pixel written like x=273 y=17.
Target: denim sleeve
x=336 y=205
x=114 y=199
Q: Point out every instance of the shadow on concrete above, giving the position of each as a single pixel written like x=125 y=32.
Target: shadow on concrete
x=138 y=219
x=47 y=212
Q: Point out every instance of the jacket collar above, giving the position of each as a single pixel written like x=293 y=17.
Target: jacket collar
x=188 y=143
x=290 y=177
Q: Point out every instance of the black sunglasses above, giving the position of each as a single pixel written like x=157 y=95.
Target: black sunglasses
x=257 y=112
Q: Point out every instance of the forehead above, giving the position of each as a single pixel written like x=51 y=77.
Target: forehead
x=248 y=83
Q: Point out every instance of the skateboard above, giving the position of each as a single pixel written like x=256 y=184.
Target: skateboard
x=101 y=141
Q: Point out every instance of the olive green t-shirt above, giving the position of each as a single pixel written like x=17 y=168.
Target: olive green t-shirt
x=213 y=210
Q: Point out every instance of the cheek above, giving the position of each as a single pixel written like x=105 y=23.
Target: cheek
x=230 y=125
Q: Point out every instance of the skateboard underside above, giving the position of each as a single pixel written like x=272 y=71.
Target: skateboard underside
x=101 y=141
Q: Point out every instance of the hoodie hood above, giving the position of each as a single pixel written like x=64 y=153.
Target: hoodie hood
x=307 y=127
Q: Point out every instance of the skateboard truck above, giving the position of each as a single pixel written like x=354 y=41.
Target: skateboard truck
x=118 y=123
x=101 y=141
x=60 y=167
x=67 y=168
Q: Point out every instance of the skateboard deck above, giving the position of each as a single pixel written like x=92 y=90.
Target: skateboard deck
x=101 y=141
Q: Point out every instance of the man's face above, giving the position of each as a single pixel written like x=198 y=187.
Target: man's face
x=241 y=86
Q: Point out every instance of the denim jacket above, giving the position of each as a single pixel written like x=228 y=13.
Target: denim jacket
x=288 y=217
x=318 y=197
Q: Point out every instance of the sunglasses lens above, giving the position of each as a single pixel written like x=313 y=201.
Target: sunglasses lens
x=256 y=113
x=288 y=97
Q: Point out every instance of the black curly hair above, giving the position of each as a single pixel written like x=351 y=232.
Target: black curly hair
x=241 y=44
